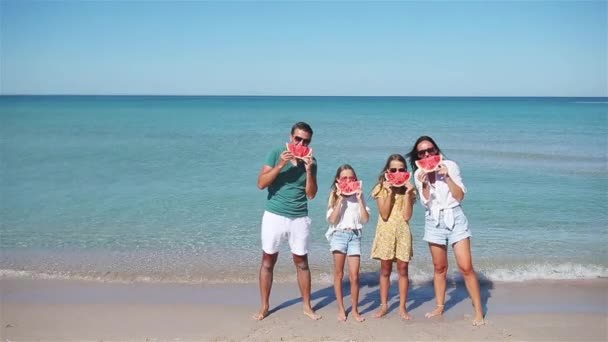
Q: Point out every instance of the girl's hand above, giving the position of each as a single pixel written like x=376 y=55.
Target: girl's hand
x=409 y=188
x=387 y=185
x=338 y=192
x=359 y=195
x=442 y=170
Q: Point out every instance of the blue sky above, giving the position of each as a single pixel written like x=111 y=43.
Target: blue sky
x=304 y=48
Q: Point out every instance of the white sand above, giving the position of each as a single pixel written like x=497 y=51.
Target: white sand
x=80 y=311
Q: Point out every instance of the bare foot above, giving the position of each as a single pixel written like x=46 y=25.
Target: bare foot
x=260 y=315
x=405 y=315
x=438 y=311
x=358 y=317
x=311 y=314
x=479 y=321
x=382 y=311
x=342 y=316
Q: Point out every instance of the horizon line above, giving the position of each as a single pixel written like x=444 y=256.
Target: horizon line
x=258 y=95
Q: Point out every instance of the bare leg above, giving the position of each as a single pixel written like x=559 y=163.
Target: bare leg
x=386 y=266
x=404 y=283
x=462 y=251
x=339 y=259
x=266 y=276
x=440 y=263
x=354 y=262
x=301 y=262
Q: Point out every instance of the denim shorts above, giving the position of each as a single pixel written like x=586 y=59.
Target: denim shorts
x=441 y=234
x=346 y=241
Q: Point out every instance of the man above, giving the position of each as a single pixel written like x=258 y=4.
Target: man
x=291 y=182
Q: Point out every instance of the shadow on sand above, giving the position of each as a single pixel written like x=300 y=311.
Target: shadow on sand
x=418 y=294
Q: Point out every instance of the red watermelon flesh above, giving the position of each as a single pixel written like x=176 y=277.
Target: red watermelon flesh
x=299 y=151
x=348 y=188
x=429 y=164
x=397 y=179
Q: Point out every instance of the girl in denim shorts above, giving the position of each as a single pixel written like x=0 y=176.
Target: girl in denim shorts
x=346 y=214
x=441 y=190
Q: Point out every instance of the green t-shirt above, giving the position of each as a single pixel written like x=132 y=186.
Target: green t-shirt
x=287 y=194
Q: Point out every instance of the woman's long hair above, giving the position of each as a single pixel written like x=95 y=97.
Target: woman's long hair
x=413 y=154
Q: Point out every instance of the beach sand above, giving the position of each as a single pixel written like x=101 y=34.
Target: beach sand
x=68 y=310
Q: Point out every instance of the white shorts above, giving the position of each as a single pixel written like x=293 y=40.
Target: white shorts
x=277 y=228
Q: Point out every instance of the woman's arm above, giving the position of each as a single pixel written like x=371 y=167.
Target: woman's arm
x=426 y=190
x=455 y=189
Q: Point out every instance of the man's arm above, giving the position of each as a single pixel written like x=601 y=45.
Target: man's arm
x=311 y=178
x=268 y=174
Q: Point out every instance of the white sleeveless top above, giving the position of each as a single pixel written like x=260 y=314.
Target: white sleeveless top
x=350 y=218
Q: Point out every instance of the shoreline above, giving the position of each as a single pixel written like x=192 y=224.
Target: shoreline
x=70 y=310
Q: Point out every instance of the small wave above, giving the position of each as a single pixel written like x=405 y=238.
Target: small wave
x=519 y=273
x=117 y=278
x=591 y=102
x=547 y=272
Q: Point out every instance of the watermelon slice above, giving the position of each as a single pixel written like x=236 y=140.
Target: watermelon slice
x=299 y=151
x=429 y=164
x=348 y=188
x=397 y=179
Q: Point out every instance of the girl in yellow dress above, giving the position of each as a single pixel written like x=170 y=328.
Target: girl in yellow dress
x=393 y=240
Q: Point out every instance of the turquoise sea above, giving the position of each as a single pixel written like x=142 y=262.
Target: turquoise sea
x=163 y=189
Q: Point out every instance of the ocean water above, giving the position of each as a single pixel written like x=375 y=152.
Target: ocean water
x=163 y=189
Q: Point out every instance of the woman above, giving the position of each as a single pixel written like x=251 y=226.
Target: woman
x=441 y=192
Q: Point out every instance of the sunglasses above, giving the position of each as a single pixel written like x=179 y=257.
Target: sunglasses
x=394 y=169
x=432 y=151
x=351 y=179
x=302 y=140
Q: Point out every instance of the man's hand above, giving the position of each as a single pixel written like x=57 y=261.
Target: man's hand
x=285 y=157
x=307 y=163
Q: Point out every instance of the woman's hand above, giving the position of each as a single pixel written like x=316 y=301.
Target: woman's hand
x=442 y=170
x=422 y=177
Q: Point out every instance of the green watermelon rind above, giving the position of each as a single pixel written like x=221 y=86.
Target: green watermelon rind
x=420 y=163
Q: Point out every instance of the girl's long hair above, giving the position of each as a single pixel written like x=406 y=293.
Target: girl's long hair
x=332 y=194
x=386 y=167
x=413 y=154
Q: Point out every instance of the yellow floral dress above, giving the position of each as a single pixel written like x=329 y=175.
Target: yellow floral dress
x=393 y=240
